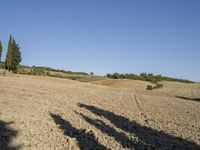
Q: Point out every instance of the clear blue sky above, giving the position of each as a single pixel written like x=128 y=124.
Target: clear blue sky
x=106 y=36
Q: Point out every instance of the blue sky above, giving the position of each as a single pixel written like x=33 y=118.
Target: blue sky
x=106 y=36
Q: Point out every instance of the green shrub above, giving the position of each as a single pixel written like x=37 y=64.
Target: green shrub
x=149 y=87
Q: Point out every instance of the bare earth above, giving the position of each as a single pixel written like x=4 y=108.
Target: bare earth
x=48 y=113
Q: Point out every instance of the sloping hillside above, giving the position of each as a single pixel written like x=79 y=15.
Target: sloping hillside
x=52 y=113
x=181 y=90
x=172 y=89
x=123 y=83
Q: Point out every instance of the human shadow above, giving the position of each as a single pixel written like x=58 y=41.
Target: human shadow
x=6 y=136
x=86 y=140
x=187 y=98
x=148 y=138
x=106 y=129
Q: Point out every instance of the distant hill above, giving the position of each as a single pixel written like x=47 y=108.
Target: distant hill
x=85 y=77
x=51 y=72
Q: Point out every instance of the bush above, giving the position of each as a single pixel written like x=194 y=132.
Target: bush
x=149 y=87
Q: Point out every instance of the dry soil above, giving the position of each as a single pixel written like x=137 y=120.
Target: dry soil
x=49 y=113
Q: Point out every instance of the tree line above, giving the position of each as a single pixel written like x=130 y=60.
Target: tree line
x=150 y=77
x=13 y=56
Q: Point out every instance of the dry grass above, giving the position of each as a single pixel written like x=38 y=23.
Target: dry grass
x=52 y=113
x=3 y=72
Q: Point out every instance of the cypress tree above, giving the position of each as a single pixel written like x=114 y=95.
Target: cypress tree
x=16 y=56
x=8 y=62
x=1 y=49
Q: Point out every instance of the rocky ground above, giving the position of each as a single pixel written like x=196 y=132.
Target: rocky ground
x=49 y=113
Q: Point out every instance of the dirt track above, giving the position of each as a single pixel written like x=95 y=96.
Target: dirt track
x=49 y=113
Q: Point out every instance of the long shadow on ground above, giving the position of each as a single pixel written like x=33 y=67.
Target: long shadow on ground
x=86 y=140
x=148 y=138
x=187 y=98
x=6 y=136
x=106 y=129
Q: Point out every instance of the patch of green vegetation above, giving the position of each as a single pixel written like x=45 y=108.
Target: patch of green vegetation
x=149 y=87
x=2 y=65
x=150 y=77
x=158 y=85
x=44 y=71
x=22 y=67
x=50 y=72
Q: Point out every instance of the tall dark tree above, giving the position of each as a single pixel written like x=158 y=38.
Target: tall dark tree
x=1 y=49
x=16 y=56
x=8 y=62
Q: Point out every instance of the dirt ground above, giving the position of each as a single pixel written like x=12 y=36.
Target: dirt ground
x=48 y=113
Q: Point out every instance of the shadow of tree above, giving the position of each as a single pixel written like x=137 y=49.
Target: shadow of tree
x=6 y=136
x=86 y=140
x=187 y=98
x=148 y=138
